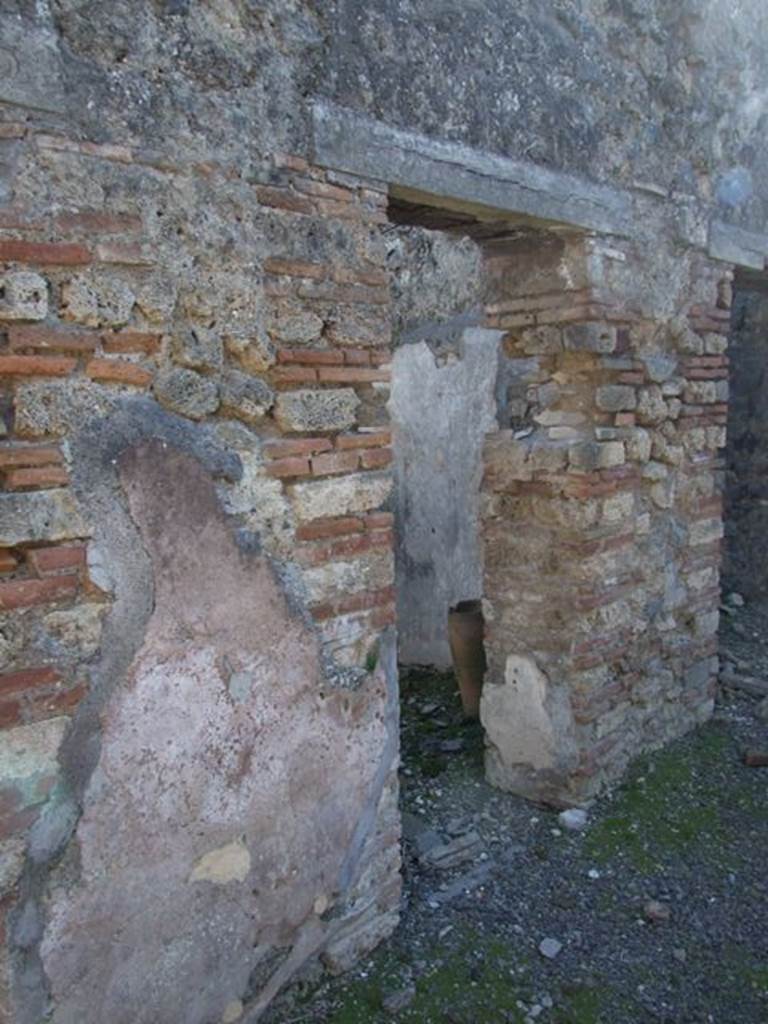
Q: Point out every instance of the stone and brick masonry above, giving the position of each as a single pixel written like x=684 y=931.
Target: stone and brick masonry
x=601 y=511
x=198 y=692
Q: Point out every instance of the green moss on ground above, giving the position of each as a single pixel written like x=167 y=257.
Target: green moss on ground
x=480 y=982
x=676 y=803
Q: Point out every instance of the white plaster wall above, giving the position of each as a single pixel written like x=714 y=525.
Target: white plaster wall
x=441 y=406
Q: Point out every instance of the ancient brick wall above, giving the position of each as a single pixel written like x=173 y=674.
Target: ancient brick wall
x=259 y=356
x=602 y=512
x=198 y=691
x=746 y=505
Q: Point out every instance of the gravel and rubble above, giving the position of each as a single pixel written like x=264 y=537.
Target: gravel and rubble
x=654 y=909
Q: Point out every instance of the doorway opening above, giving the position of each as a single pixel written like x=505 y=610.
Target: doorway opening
x=745 y=566
x=442 y=406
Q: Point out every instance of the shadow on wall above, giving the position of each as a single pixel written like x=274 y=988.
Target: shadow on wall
x=745 y=567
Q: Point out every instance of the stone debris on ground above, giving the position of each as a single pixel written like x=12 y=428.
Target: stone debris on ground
x=452 y=853
x=550 y=948
x=574 y=818
x=655 y=911
x=396 y=1001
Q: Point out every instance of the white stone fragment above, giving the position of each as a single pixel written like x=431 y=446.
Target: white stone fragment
x=550 y=948
x=574 y=819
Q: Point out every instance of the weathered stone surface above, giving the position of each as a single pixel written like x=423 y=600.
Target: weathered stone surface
x=616 y=398
x=342 y=496
x=295 y=327
x=683 y=337
x=53 y=407
x=97 y=301
x=254 y=352
x=307 y=410
x=441 y=411
x=369 y=572
x=28 y=761
x=528 y=728
x=590 y=337
x=591 y=455
x=39 y=515
x=245 y=397
x=187 y=392
x=660 y=366
x=23 y=296
x=198 y=348
x=199 y=801
x=700 y=392
x=77 y=628
x=651 y=407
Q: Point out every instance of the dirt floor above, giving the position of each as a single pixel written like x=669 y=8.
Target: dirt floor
x=658 y=908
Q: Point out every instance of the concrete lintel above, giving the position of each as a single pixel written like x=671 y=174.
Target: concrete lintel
x=736 y=245
x=347 y=141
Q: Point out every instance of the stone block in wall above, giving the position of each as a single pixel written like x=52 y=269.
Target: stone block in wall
x=340 y=496
x=590 y=455
x=254 y=353
x=590 y=337
x=295 y=326
x=660 y=366
x=39 y=515
x=198 y=348
x=616 y=398
x=700 y=392
x=310 y=410
x=29 y=768
x=78 y=628
x=371 y=571
x=245 y=397
x=187 y=392
x=23 y=296
x=52 y=407
x=96 y=301
x=651 y=407
x=682 y=337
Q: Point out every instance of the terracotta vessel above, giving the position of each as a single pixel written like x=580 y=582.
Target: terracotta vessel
x=465 y=635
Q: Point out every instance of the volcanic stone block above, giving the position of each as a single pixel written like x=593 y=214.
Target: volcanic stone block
x=187 y=392
x=23 y=296
x=245 y=397
x=305 y=409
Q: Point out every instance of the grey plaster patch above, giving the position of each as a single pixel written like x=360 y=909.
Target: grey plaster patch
x=441 y=409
